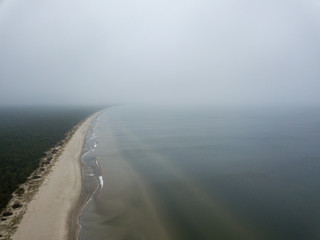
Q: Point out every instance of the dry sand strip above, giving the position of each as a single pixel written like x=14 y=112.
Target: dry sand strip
x=47 y=215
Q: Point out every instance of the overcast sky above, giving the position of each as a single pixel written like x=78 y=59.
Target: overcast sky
x=154 y=51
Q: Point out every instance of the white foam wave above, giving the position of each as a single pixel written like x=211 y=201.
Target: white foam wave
x=92 y=137
x=101 y=181
x=85 y=153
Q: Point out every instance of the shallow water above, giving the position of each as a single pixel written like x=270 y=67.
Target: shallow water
x=203 y=173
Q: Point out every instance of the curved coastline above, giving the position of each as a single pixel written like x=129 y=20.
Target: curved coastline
x=54 y=211
x=92 y=181
x=85 y=195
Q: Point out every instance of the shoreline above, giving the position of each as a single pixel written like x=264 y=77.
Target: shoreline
x=80 y=203
x=54 y=210
x=86 y=193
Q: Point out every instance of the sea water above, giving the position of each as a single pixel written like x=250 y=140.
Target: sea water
x=197 y=173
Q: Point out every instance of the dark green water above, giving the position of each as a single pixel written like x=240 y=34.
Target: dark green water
x=204 y=173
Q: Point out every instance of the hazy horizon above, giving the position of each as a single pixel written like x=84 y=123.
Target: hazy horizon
x=160 y=52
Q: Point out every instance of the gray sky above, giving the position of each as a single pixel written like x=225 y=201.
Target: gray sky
x=154 y=51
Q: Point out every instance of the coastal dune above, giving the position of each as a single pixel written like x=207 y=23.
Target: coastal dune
x=48 y=214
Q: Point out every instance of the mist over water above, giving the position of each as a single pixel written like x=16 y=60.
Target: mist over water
x=206 y=173
x=222 y=52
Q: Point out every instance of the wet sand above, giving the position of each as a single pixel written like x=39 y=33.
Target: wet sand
x=125 y=208
x=52 y=213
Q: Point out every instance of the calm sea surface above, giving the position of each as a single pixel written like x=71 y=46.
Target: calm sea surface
x=202 y=173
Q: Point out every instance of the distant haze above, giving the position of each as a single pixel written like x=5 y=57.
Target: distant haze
x=160 y=51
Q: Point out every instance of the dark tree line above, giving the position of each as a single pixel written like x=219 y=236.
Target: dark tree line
x=25 y=134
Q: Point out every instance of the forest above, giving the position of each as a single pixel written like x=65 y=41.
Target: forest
x=25 y=134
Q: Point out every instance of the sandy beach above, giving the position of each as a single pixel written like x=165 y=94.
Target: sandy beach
x=48 y=215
